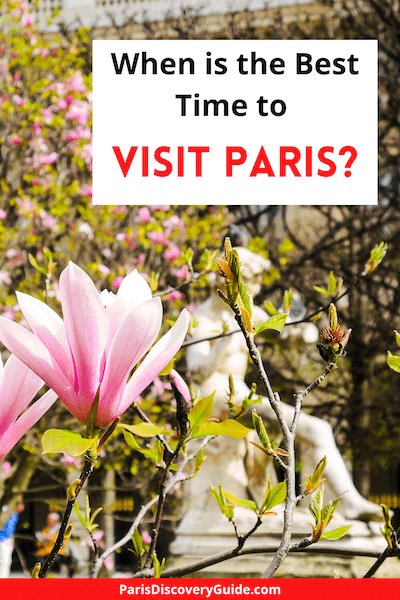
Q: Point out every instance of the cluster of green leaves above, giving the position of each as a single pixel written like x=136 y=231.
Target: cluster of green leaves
x=393 y=361
x=268 y=447
x=322 y=515
x=227 y=502
x=333 y=288
x=88 y=518
x=240 y=299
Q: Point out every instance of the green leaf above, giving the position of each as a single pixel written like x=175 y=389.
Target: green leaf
x=249 y=504
x=60 y=440
x=201 y=411
x=199 y=461
x=321 y=290
x=274 y=496
x=316 y=504
x=149 y=453
x=397 y=335
x=331 y=283
x=261 y=431
x=229 y=428
x=277 y=322
x=335 y=534
x=270 y=308
x=80 y=515
x=138 y=543
x=393 y=362
x=144 y=430
x=36 y=265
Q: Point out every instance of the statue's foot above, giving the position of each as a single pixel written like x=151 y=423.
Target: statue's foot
x=362 y=510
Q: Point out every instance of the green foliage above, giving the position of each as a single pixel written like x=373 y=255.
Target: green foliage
x=322 y=515
x=376 y=256
x=229 y=428
x=202 y=425
x=88 y=519
x=268 y=447
x=227 y=502
x=388 y=530
x=276 y=322
x=60 y=440
x=273 y=496
x=144 y=430
x=313 y=482
x=334 y=286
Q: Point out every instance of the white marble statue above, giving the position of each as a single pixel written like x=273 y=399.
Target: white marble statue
x=210 y=364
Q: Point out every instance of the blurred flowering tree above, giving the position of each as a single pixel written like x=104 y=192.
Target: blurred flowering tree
x=46 y=217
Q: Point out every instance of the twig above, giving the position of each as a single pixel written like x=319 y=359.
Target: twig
x=385 y=554
x=86 y=472
x=299 y=547
x=96 y=552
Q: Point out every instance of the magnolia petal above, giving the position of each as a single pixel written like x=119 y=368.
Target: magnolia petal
x=180 y=385
x=25 y=422
x=86 y=329
x=48 y=326
x=133 y=291
x=18 y=387
x=158 y=358
x=34 y=354
x=136 y=334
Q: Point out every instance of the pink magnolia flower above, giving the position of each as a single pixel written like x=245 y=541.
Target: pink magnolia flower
x=172 y=253
x=18 y=386
x=144 y=215
x=92 y=352
x=14 y=139
x=180 y=384
x=48 y=159
x=157 y=238
x=175 y=295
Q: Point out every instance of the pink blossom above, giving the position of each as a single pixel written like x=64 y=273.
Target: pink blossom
x=162 y=207
x=5 y=278
x=3 y=214
x=14 y=139
x=117 y=281
x=70 y=461
x=15 y=257
x=89 y=356
x=48 y=159
x=182 y=272
x=174 y=222
x=172 y=253
x=18 y=101
x=6 y=468
x=86 y=190
x=48 y=221
x=78 y=112
x=76 y=83
x=143 y=216
x=146 y=538
x=18 y=386
x=104 y=270
x=27 y=20
x=158 y=238
x=37 y=130
x=175 y=295
x=158 y=388
x=180 y=384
